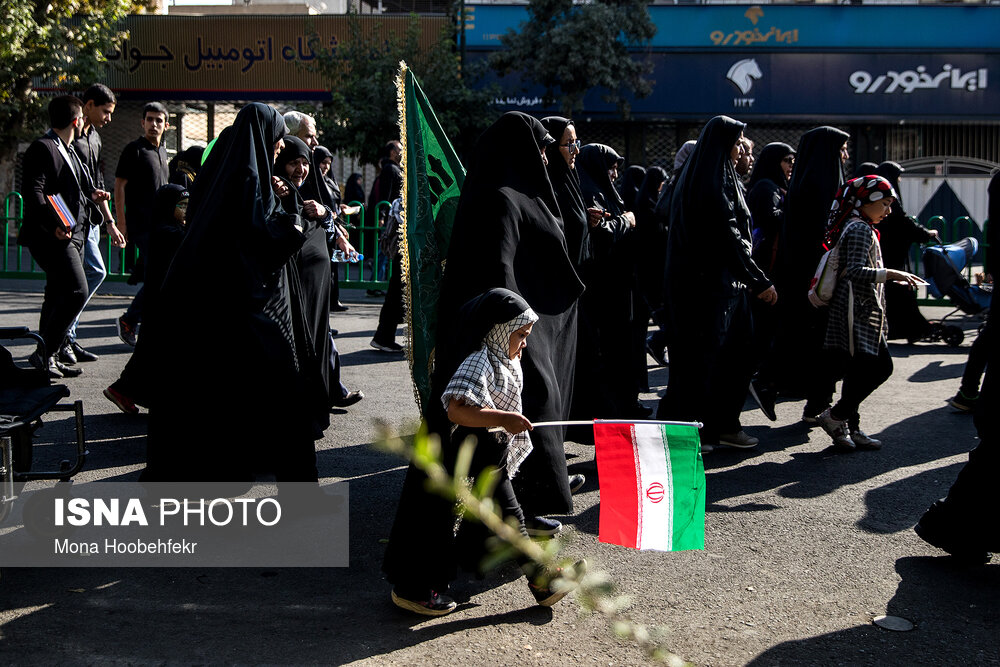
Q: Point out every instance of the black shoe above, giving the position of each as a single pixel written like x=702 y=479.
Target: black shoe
x=576 y=483
x=391 y=346
x=375 y=292
x=351 y=398
x=539 y=526
x=338 y=308
x=549 y=589
x=334 y=332
x=655 y=352
x=66 y=355
x=641 y=411
x=765 y=399
x=962 y=552
x=432 y=604
x=66 y=371
x=963 y=403
x=37 y=361
x=811 y=413
x=126 y=331
x=82 y=354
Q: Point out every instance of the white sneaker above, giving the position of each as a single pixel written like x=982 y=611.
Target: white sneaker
x=836 y=429
x=740 y=440
x=862 y=440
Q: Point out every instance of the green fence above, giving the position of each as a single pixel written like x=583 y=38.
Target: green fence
x=372 y=273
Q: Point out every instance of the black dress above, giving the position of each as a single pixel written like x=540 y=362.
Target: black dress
x=817 y=176
x=508 y=233
x=710 y=278
x=611 y=298
x=227 y=347
x=897 y=232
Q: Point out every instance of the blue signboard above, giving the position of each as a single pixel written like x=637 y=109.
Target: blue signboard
x=781 y=27
x=871 y=86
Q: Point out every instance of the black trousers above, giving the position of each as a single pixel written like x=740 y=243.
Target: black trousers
x=976 y=364
x=65 y=288
x=392 y=309
x=862 y=375
x=710 y=362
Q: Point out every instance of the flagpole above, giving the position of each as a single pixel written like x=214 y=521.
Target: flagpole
x=591 y=422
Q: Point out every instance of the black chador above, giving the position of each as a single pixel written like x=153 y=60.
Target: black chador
x=508 y=233
x=227 y=348
x=817 y=176
x=609 y=386
x=710 y=277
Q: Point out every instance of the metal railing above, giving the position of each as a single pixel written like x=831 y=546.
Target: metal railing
x=372 y=273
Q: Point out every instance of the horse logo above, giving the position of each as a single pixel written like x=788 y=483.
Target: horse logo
x=742 y=74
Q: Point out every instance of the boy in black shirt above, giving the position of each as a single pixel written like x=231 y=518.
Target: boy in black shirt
x=142 y=170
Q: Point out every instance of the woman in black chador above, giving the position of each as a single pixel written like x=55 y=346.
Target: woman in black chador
x=230 y=344
x=508 y=233
x=817 y=176
x=710 y=278
x=766 y=193
x=611 y=297
x=308 y=274
x=897 y=232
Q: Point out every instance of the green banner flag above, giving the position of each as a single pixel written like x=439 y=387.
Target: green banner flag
x=432 y=181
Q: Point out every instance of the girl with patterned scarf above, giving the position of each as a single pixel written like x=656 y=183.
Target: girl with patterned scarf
x=856 y=328
x=483 y=400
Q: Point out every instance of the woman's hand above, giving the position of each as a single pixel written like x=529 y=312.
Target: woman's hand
x=313 y=209
x=280 y=188
x=594 y=216
x=769 y=296
x=629 y=218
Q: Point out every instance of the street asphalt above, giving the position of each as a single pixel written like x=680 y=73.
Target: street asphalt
x=804 y=546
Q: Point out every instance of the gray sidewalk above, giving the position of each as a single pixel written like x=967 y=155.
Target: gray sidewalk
x=804 y=546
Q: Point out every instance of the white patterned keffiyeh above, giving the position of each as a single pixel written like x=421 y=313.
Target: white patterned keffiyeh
x=489 y=378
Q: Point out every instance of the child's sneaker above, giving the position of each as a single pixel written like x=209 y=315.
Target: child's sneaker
x=429 y=604
x=836 y=429
x=551 y=587
x=863 y=440
x=963 y=403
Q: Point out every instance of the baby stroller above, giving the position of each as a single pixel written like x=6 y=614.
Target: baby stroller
x=25 y=396
x=943 y=265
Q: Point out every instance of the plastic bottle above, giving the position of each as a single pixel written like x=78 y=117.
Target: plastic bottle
x=339 y=256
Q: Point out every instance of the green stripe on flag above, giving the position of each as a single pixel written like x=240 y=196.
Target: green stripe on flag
x=688 y=480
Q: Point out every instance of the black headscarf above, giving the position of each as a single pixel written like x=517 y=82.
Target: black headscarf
x=566 y=185
x=327 y=189
x=353 y=191
x=768 y=165
x=817 y=176
x=239 y=235
x=631 y=182
x=482 y=313
x=294 y=149
x=864 y=169
x=593 y=164
x=185 y=165
x=709 y=218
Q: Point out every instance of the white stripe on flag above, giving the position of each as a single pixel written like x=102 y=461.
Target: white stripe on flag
x=655 y=488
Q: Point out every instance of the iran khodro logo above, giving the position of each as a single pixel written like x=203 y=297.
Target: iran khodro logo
x=743 y=73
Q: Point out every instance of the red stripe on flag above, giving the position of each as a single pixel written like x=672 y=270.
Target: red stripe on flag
x=617 y=471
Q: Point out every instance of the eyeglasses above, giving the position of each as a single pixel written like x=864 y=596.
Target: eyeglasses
x=572 y=147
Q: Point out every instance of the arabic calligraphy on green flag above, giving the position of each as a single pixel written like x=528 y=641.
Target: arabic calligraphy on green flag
x=432 y=181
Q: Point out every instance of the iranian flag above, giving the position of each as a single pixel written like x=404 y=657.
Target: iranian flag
x=652 y=485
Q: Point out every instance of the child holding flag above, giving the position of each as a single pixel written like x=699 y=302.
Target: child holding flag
x=484 y=393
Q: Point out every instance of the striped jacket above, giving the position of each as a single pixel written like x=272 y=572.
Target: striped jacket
x=856 y=320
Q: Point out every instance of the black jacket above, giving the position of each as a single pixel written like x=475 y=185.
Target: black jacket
x=46 y=172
